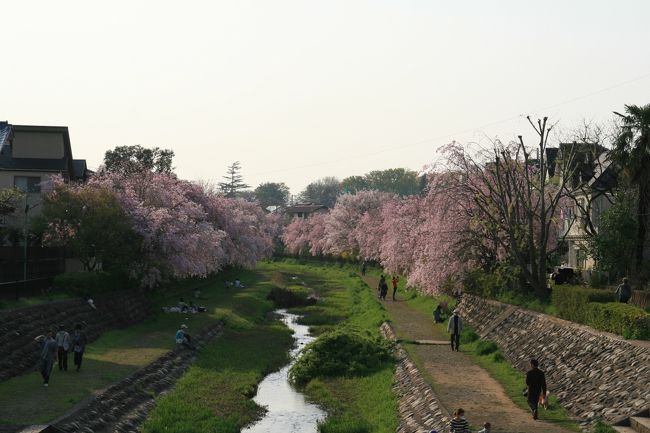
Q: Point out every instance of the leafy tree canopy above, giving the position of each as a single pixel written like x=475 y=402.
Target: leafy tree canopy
x=399 y=181
x=323 y=191
x=128 y=160
x=272 y=194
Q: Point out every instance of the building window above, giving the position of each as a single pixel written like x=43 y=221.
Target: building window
x=28 y=183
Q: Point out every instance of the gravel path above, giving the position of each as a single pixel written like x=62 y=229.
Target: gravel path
x=458 y=382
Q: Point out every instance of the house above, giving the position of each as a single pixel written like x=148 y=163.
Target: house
x=30 y=155
x=304 y=210
x=597 y=178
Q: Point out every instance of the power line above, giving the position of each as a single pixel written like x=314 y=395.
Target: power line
x=464 y=131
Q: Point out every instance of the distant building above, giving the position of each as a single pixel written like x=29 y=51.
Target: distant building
x=30 y=155
x=596 y=178
x=304 y=210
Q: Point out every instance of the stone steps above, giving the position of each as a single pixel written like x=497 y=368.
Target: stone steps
x=640 y=424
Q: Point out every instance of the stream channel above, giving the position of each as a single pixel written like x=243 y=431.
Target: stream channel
x=287 y=410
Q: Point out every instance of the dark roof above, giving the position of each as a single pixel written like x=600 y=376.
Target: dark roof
x=305 y=207
x=8 y=162
x=80 y=169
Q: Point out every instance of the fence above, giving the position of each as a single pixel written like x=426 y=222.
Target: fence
x=42 y=265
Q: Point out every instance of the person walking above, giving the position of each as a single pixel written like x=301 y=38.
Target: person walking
x=363 y=268
x=455 y=327
x=79 y=341
x=623 y=292
x=383 y=288
x=395 y=280
x=536 y=385
x=63 y=346
x=458 y=423
x=437 y=314
x=48 y=355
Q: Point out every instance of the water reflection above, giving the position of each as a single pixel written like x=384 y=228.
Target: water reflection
x=288 y=411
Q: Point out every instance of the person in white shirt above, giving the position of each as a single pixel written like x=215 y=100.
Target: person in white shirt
x=63 y=345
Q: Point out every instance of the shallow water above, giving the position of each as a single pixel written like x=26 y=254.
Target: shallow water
x=288 y=410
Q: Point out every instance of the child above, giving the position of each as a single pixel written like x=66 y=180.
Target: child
x=459 y=424
x=486 y=428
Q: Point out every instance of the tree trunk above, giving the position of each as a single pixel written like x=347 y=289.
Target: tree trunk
x=642 y=226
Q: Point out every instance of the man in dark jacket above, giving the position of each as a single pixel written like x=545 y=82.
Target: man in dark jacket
x=624 y=292
x=536 y=383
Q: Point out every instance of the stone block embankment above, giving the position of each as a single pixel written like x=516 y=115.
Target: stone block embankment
x=19 y=327
x=420 y=411
x=594 y=375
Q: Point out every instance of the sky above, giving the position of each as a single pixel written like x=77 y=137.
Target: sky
x=299 y=90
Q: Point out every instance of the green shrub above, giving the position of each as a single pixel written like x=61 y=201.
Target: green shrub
x=498 y=357
x=344 y=424
x=468 y=337
x=622 y=319
x=570 y=302
x=341 y=353
x=286 y=298
x=86 y=283
x=486 y=347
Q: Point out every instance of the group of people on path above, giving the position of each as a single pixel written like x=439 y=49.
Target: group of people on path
x=535 y=391
x=56 y=347
x=382 y=288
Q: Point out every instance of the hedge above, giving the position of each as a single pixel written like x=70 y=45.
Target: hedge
x=597 y=308
x=622 y=319
x=570 y=302
x=86 y=283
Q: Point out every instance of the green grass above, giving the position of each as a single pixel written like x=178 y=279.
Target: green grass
x=118 y=353
x=354 y=404
x=215 y=394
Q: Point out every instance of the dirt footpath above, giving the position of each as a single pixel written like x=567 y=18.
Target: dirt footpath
x=458 y=382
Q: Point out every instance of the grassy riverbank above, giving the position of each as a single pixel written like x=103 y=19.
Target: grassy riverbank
x=355 y=404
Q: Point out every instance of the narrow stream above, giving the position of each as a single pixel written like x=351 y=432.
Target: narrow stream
x=288 y=410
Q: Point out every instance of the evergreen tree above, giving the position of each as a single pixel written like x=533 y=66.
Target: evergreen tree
x=234 y=183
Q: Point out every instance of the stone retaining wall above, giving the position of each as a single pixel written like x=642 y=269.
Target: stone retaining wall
x=592 y=374
x=18 y=328
x=420 y=410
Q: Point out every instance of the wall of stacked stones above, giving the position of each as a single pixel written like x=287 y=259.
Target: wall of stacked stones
x=594 y=375
x=19 y=327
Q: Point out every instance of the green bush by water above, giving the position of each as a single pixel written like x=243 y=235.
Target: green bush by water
x=468 y=337
x=342 y=352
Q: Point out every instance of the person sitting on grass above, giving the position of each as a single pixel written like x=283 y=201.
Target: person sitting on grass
x=182 y=337
x=437 y=314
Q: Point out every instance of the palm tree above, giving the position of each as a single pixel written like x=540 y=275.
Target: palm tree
x=632 y=151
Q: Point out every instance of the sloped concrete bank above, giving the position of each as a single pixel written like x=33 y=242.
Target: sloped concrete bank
x=123 y=407
x=19 y=327
x=594 y=375
x=420 y=410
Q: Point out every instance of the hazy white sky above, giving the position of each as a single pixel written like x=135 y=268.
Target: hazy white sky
x=298 y=90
